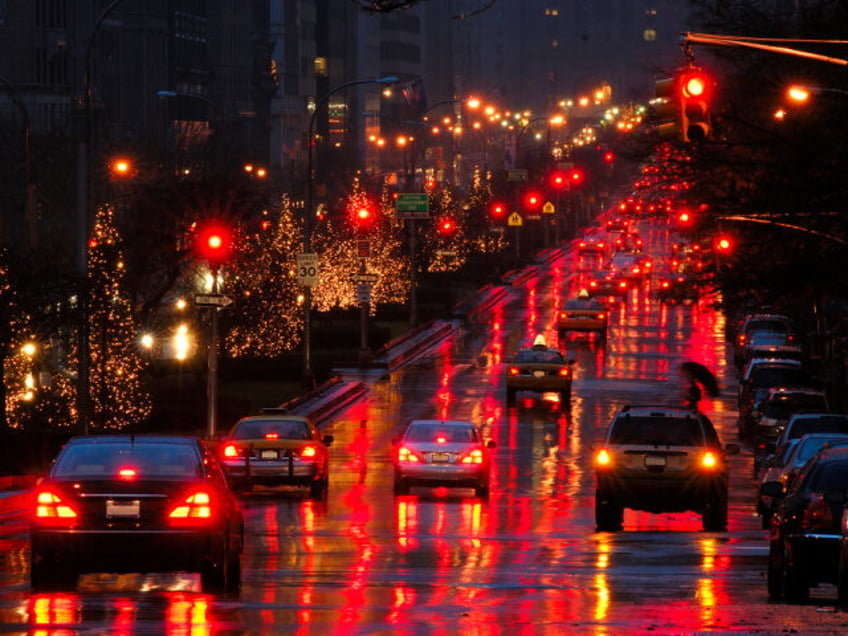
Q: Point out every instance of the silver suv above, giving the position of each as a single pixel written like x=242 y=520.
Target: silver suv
x=661 y=459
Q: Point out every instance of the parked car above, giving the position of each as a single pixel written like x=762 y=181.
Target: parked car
x=780 y=405
x=787 y=462
x=803 y=423
x=759 y=323
x=541 y=369
x=135 y=503
x=766 y=374
x=277 y=449
x=661 y=459
x=434 y=453
x=805 y=530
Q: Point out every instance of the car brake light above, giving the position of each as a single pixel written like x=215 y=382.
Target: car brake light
x=230 y=450
x=441 y=439
x=474 y=456
x=602 y=316
x=127 y=474
x=50 y=507
x=309 y=452
x=272 y=436
x=603 y=458
x=513 y=371
x=709 y=460
x=407 y=456
x=818 y=514
x=564 y=372
x=197 y=507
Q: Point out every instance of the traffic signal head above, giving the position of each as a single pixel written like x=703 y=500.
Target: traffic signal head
x=498 y=210
x=576 y=177
x=666 y=107
x=447 y=227
x=214 y=243
x=695 y=90
x=532 y=200
x=559 y=180
x=363 y=216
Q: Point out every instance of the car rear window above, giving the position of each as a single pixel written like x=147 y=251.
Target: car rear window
x=783 y=407
x=281 y=429
x=657 y=431
x=832 y=475
x=781 y=376
x=431 y=432
x=547 y=357
x=147 y=459
x=818 y=425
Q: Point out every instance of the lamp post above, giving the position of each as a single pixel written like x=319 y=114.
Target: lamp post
x=308 y=373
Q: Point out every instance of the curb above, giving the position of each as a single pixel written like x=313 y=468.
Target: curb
x=322 y=402
x=399 y=351
x=485 y=297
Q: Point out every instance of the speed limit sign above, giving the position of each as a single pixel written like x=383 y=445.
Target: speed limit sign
x=307 y=269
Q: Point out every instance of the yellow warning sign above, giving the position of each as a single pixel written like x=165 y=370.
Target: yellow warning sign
x=548 y=208
x=515 y=220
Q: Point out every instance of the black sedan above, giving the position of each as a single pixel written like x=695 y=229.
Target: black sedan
x=136 y=503
x=805 y=528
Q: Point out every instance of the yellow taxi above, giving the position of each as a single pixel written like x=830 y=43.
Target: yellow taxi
x=584 y=314
x=540 y=369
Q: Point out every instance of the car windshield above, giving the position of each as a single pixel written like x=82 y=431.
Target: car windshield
x=783 y=406
x=274 y=428
x=429 y=432
x=547 y=356
x=141 y=458
x=657 y=431
x=776 y=326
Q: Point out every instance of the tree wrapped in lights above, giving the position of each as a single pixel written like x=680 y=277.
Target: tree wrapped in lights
x=266 y=320
x=446 y=250
x=480 y=196
x=117 y=397
x=337 y=245
x=12 y=363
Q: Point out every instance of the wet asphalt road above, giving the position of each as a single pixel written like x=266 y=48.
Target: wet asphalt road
x=526 y=561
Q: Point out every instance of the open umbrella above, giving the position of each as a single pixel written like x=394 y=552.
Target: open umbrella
x=702 y=375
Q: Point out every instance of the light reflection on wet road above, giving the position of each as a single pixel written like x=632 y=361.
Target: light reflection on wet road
x=443 y=562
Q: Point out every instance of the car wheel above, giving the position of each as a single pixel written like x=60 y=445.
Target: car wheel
x=795 y=586
x=842 y=580
x=609 y=515
x=482 y=490
x=510 y=397
x=400 y=486
x=774 y=573
x=45 y=574
x=234 y=573
x=565 y=396
x=714 y=517
x=318 y=489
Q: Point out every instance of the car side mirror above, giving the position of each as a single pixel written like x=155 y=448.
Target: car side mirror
x=571 y=361
x=491 y=444
x=327 y=439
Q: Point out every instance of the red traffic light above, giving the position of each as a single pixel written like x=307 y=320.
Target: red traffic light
x=215 y=243
x=447 y=227
x=559 y=180
x=724 y=244
x=576 y=176
x=532 y=200
x=695 y=88
x=363 y=216
x=498 y=210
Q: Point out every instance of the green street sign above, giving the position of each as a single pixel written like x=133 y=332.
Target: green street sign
x=413 y=205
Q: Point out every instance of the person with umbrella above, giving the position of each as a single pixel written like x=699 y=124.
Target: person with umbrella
x=698 y=376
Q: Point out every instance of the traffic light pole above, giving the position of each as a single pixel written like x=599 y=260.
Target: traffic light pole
x=212 y=365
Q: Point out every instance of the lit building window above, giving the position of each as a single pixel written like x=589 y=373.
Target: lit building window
x=649 y=35
x=320 y=67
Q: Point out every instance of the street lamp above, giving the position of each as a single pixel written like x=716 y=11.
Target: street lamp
x=308 y=374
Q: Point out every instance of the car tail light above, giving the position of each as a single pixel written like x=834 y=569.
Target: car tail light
x=127 y=474
x=593 y=283
x=441 y=439
x=602 y=316
x=818 y=514
x=231 y=450
x=622 y=284
x=308 y=452
x=51 y=509
x=603 y=458
x=272 y=436
x=196 y=508
x=563 y=315
x=564 y=372
x=474 y=456
x=408 y=456
x=709 y=460
x=601 y=244
x=514 y=371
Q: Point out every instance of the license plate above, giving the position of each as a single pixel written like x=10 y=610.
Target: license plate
x=268 y=454
x=538 y=374
x=123 y=509
x=440 y=458
x=654 y=460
